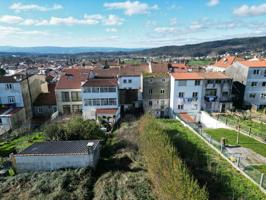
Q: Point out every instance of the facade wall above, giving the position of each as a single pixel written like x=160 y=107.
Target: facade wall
x=259 y=90
x=16 y=92
x=156 y=95
x=38 y=85
x=60 y=103
x=44 y=111
x=129 y=82
x=89 y=111
x=187 y=103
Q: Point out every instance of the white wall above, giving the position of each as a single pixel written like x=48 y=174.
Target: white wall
x=15 y=91
x=188 y=90
x=135 y=82
x=209 y=122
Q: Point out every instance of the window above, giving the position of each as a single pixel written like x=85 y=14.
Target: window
x=40 y=110
x=125 y=81
x=150 y=103
x=263 y=84
x=75 y=96
x=180 y=107
x=163 y=80
x=87 y=90
x=197 y=82
x=9 y=86
x=112 y=101
x=65 y=96
x=194 y=94
x=88 y=102
x=210 y=81
x=1 y=121
x=256 y=71
x=218 y=81
x=104 y=102
x=162 y=91
x=210 y=92
x=181 y=94
x=151 y=80
x=182 y=83
x=11 y=99
x=264 y=72
x=225 y=94
x=76 y=108
x=96 y=102
x=252 y=95
x=254 y=84
x=95 y=90
x=150 y=91
x=263 y=96
x=129 y=81
x=112 y=89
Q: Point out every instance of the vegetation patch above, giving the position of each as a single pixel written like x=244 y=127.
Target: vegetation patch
x=221 y=179
x=168 y=173
x=231 y=138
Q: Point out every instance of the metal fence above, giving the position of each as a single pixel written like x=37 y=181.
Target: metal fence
x=241 y=127
x=240 y=162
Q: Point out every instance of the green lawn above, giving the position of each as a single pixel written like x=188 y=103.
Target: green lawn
x=246 y=124
x=210 y=169
x=261 y=168
x=244 y=141
x=20 y=143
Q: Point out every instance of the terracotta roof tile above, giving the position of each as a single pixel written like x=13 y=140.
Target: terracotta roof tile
x=110 y=111
x=46 y=98
x=227 y=61
x=254 y=63
x=96 y=82
x=199 y=75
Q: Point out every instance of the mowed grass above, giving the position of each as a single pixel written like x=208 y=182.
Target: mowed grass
x=199 y=62
x=20 y=143
x=244 y=141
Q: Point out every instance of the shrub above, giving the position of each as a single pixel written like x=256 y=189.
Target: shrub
x=168 y=173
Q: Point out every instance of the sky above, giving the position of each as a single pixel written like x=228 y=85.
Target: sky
x=129 y=23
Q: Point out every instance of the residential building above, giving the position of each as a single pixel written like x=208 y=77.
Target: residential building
x=249 y=86
x=45 y=104
x=54 y=155
x=223 y=63
x=100 y=98
x=192 y=92
x=156 y=90
x=18 y=93
x=186 y=93
x=217 y=90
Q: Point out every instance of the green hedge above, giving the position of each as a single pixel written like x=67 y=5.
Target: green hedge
x=169 y=176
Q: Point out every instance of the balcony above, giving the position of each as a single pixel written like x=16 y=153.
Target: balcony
x=210 y=98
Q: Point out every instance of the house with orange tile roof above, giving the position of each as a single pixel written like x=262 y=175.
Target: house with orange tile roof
x=192 y=92
x=223 y=63
x=249 y=86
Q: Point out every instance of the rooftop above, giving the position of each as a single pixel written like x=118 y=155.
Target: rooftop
x=46 y=98
x=59 y=148
x=199 y=76
x=254 y=63
x=12 y=79
x=100 y=82
x=110 y=111
x=227 y=61
x=9 y=111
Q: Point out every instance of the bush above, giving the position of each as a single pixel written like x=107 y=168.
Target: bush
x=167 y=171
x=75 y=129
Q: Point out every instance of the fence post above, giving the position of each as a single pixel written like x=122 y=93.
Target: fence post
x=249 y=131
x=238 y=161
x=261 y=179
x=222 y=146
x=210 y=140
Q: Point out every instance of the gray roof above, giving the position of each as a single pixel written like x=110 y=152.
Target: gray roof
x=59 y=147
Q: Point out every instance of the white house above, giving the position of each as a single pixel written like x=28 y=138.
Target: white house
x=249 y=82
x=185 y=93
x=100 y=99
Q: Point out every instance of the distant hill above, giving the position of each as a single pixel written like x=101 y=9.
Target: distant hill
x=61 y=50
x=210 y=48
x=202 y=49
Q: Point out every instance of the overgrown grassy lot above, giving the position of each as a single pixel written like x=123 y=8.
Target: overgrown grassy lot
x=20 y=142
x=244 y=141
x=261 y=168
x=222 y=181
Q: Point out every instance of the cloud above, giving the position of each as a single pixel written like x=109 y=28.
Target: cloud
x=165 y=29
x=26 y=7
x=110 y=20
x=131 y=7
x=10 y=19
x=111 y=30
x=7 y=31
x=212 y=3
x=254 y=10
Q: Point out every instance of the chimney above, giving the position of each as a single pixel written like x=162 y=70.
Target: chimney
x=91 y=74
x=90 y=146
